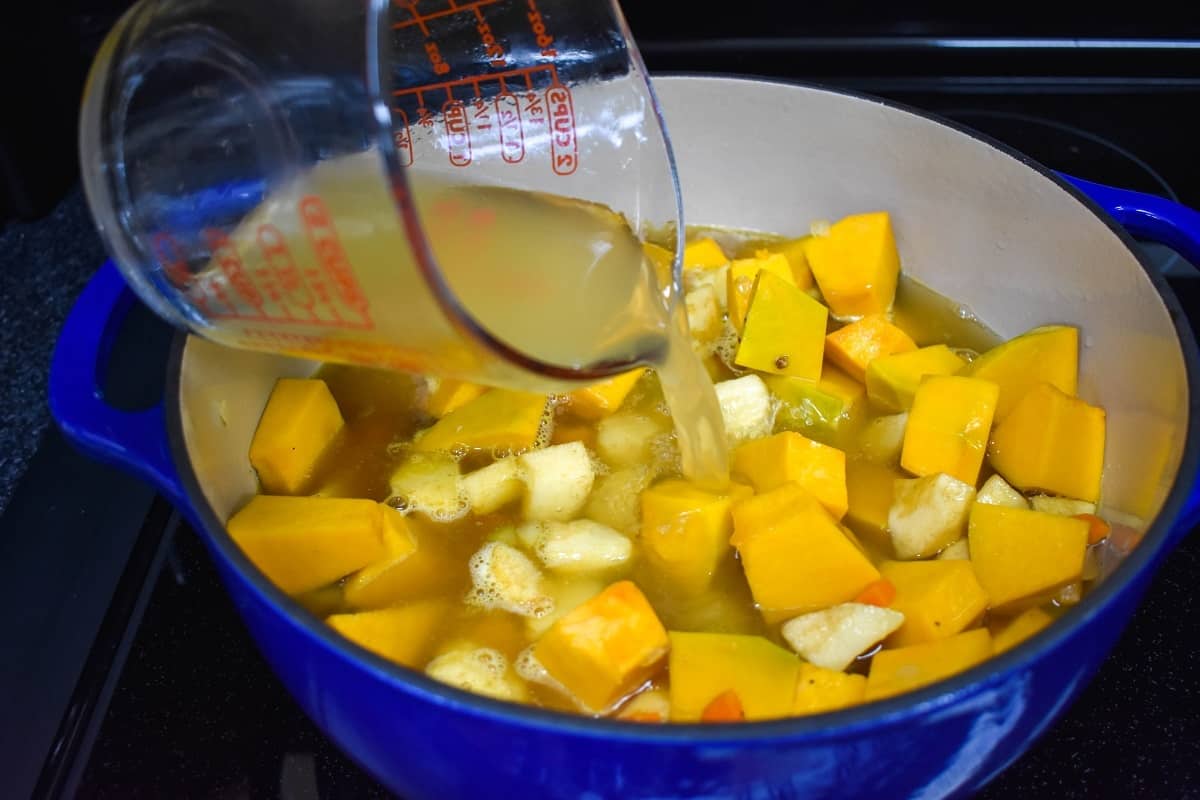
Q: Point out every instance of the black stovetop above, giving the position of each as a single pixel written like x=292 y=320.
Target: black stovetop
x=157 y=691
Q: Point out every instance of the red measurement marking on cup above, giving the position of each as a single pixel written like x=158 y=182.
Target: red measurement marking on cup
x=420 y=19
x=564 y=150
x=537 y=24
x=402 y=137
x=327 y=247
x=230 y=263
x=458 y=133
x=294 y=294
x=512 y=137
x=170 y=258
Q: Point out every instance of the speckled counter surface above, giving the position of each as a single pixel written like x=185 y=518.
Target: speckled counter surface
x=43 y=266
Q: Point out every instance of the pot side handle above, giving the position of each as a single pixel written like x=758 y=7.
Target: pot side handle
x=1157 y=219
x=133 y=440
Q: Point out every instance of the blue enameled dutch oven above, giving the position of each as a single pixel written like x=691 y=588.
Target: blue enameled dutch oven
x=1017 y=244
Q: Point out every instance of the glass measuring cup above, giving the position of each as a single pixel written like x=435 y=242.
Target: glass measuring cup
x=445 y=186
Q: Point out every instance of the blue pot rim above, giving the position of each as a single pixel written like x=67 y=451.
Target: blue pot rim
x=840 y=724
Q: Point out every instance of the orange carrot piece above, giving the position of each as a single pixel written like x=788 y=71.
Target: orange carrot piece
x=725 y=707
x=878 y=593
x=1098 y=529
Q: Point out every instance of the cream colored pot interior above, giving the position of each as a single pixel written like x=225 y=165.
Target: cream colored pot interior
x=971 y=222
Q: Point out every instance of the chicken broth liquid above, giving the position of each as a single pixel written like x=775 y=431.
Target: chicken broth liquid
x=383 y=410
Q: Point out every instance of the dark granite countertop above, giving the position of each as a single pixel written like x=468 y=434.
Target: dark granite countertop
x=44 y=265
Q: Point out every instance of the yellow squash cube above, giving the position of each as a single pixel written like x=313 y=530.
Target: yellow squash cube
x=870 y=488
x=1049 y=353
x=742 y=272
x=447 y=394
x=302 y=543
x=601 y=399
x=856 y=345
x=298 y=424
x=784 y=332
x=416 y=564
x=937 y=598
x=497 y=419
x=605 y=647
x=948 y=427
x=856 y=265
x=892 y=381
x=796 y=557
x=819 y=690
x=901 y=670
x=1020 y=555
x=793 y=251
x=685 y=531
x=403 y=634
x=704 y=254
x=1051 y=442
x=704 y=665
x=789 y=457
x=823 y=409
x=1020 y=628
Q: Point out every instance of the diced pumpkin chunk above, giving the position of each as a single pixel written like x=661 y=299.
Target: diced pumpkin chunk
x=928 y=514
x=892 y=381
x=1049 y=353
x=1020 y=628
x=1052 y=442
x=416 y=564
x=299 y=422
x=948 y=427
x=704 y=254
x=789 y=457
x=447 y=394
x=937 y=598
x=901 y=670
x=856 y=345
x=785 y=330
x=301 y=543
x=745 y=408
x=833 y=637
x=497 y=419
x=704 y=665
x=856 y=264
x=605 y=647
x=997 y=492
x=685 y=531
x=793 y=251
x=820 y=409
x=870 y=488
x=557 y=481
x=1019 y=554
x=740 y=282
x=795 y=556
x=601 y=399
x=820 y=690
x=403 y=634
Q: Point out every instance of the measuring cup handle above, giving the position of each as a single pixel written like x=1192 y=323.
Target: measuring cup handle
x=133 y=440
x=1157 y=219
